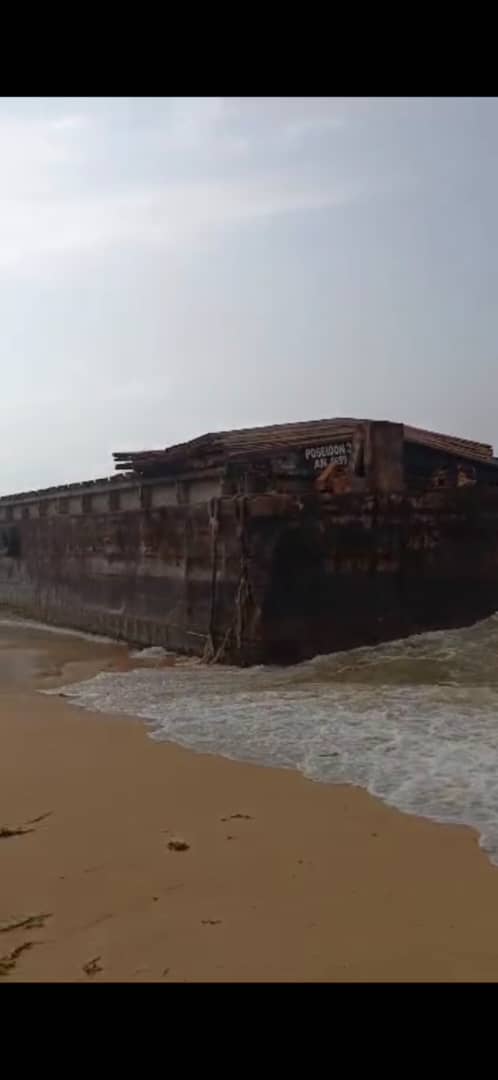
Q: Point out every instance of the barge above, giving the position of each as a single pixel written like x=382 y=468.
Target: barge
x=264 y=545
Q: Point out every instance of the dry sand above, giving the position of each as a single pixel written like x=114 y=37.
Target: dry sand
x=309 y=883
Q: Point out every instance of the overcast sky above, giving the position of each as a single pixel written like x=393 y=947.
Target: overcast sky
x=170 y=267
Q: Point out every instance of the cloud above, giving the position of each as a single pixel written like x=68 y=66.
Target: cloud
x=76 y=183
x=73 y=122
x=152 y=218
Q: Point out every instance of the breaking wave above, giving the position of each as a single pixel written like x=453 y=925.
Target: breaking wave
x=415 y=721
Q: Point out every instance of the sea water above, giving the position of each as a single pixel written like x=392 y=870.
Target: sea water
x=415 y=721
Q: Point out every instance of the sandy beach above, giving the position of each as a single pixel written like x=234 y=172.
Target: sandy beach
x=279 y=878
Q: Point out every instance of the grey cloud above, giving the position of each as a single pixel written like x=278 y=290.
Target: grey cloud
x=172 y=266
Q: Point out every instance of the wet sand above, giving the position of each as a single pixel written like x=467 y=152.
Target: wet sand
x=282 y=879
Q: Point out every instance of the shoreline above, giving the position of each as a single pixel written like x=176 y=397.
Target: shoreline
x=144 y=723
x=318 y=882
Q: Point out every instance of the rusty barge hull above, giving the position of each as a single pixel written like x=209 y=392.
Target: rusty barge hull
x=269 y=545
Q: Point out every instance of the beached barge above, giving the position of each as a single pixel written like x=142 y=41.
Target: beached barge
x=264 y=545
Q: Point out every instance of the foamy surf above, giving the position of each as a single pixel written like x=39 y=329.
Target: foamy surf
x=153 y=652
x=415 y=722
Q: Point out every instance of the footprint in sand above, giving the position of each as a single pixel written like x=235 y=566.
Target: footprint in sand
x=25 y=922
x=9 y=961
x=92 y=967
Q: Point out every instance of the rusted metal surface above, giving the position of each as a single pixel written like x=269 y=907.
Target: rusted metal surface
x=267 y=577
x=270 y=544
x=232 y=445
x=267 y=441
x=69 y=489
x=449 y=444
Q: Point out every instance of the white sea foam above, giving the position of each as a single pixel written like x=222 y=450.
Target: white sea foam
x=413 y=721
x=153 y=652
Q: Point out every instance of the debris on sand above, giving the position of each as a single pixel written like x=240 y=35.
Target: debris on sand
x=6 y=831
x=27 y=922
x=92 y=967
x=239 y=817
x=178 y=845
x=8 y=962
x=210 y=922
